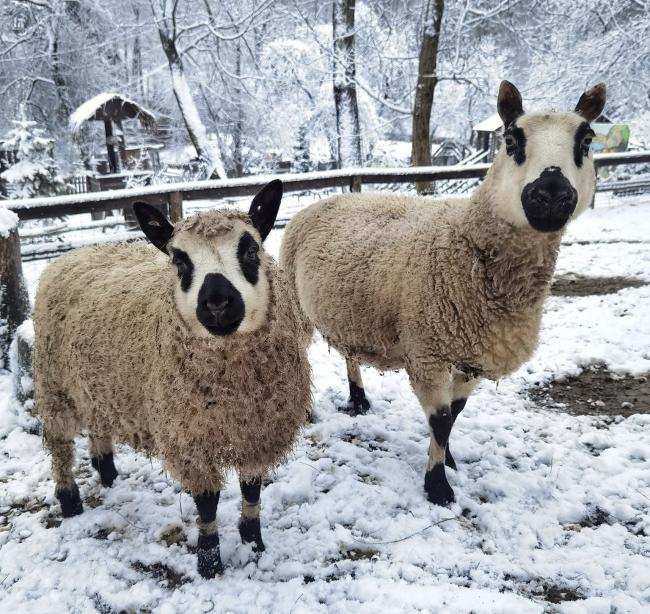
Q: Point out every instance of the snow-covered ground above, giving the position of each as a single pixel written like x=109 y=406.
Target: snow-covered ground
x=550 y=507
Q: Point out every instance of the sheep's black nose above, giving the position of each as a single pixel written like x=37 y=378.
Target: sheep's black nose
x=549 y=201
x=220 y=307
x=216 y=306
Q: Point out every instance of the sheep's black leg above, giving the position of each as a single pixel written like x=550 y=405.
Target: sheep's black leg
x=456 y=407
x=435 y=480
x=434 y=396
x=464 y=383
x=66 y=489
x=357 y=403
x=101 y=458
x=249 y=523
x=207 y=551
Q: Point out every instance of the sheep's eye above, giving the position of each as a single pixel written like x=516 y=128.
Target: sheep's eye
x=252 y=253
x=180 y=264
x=184 y=268
x=586 y=144
x=511 y=141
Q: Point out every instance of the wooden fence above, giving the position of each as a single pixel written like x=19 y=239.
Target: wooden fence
x=174 y=194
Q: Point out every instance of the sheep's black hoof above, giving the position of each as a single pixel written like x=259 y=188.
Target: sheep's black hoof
x=251 y=532
x=437 y=487
x=208 y=556
x=449 y=459
x=105 y=467
x=70 y=501
x=357 y=404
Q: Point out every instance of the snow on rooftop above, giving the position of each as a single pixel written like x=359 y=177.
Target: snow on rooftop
x=8 y=221
x=490 y=124
x=89 y=108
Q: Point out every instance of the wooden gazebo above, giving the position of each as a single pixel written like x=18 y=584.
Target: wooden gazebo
x=112 y=109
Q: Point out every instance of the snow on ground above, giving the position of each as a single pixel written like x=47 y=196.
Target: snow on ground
x=551 y=512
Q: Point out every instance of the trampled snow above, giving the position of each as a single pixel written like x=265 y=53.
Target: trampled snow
x=551 y=512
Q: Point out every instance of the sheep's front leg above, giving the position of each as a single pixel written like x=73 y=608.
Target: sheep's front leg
x=249 y=523
x=435 y=397
x=207 y=551
x=357 y=403
x=463 y=386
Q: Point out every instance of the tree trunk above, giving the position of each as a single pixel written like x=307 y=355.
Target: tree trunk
x=426 y=85
x=238 y=128
x=348 y=135
x=14 y=301
x=205 y=150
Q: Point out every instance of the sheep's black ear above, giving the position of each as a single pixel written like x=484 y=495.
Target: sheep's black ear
x=154 y=224
x=509 y=104
x=592 y=102
x=264 y=208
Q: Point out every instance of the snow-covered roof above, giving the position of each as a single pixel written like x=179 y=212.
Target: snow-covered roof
x=490 y=124
x=119 y=107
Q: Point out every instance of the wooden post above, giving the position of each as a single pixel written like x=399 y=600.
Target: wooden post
x=175 y=206
x=14 y=301
x=355 y=184
x=113 y=160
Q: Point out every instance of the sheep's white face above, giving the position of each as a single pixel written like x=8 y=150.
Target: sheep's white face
x=544 y=173
x=222 y=285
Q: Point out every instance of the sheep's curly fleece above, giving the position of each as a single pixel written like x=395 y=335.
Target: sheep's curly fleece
x=398 y=281
x=113 y=356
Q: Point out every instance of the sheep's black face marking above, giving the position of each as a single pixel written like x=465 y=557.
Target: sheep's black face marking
x=184 y=266
x=549 y=201
x=515 y=141
x=220 y=307
x=248 y=254
x=582 y=143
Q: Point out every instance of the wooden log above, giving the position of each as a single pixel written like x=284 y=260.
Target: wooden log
x=14 y=301
x=21 y=361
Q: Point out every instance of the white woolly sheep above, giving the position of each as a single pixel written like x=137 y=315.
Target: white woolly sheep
x=452 y=290
x=198 y=357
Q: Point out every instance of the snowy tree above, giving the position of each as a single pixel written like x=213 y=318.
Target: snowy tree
x=301 y=159
x=35 y=173
x=345 y=92
x=426 y=85
x=165 y=13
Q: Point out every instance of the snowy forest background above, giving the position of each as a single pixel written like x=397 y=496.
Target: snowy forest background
x=250 y=82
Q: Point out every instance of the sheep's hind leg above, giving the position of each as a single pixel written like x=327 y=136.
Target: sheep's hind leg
x=357 y=403
x=207 y=551
x=435 y=398
x=66 y=490
x=249 y=523
x=101 y=458
x=463 y=386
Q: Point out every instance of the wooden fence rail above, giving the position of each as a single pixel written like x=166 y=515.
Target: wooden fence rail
x=175 y=194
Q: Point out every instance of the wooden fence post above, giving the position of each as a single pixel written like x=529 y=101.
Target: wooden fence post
x=175 y=206
x=14 y=301
x=355 y=184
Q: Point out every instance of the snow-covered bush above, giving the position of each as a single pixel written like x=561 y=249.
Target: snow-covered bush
x=35 y=173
